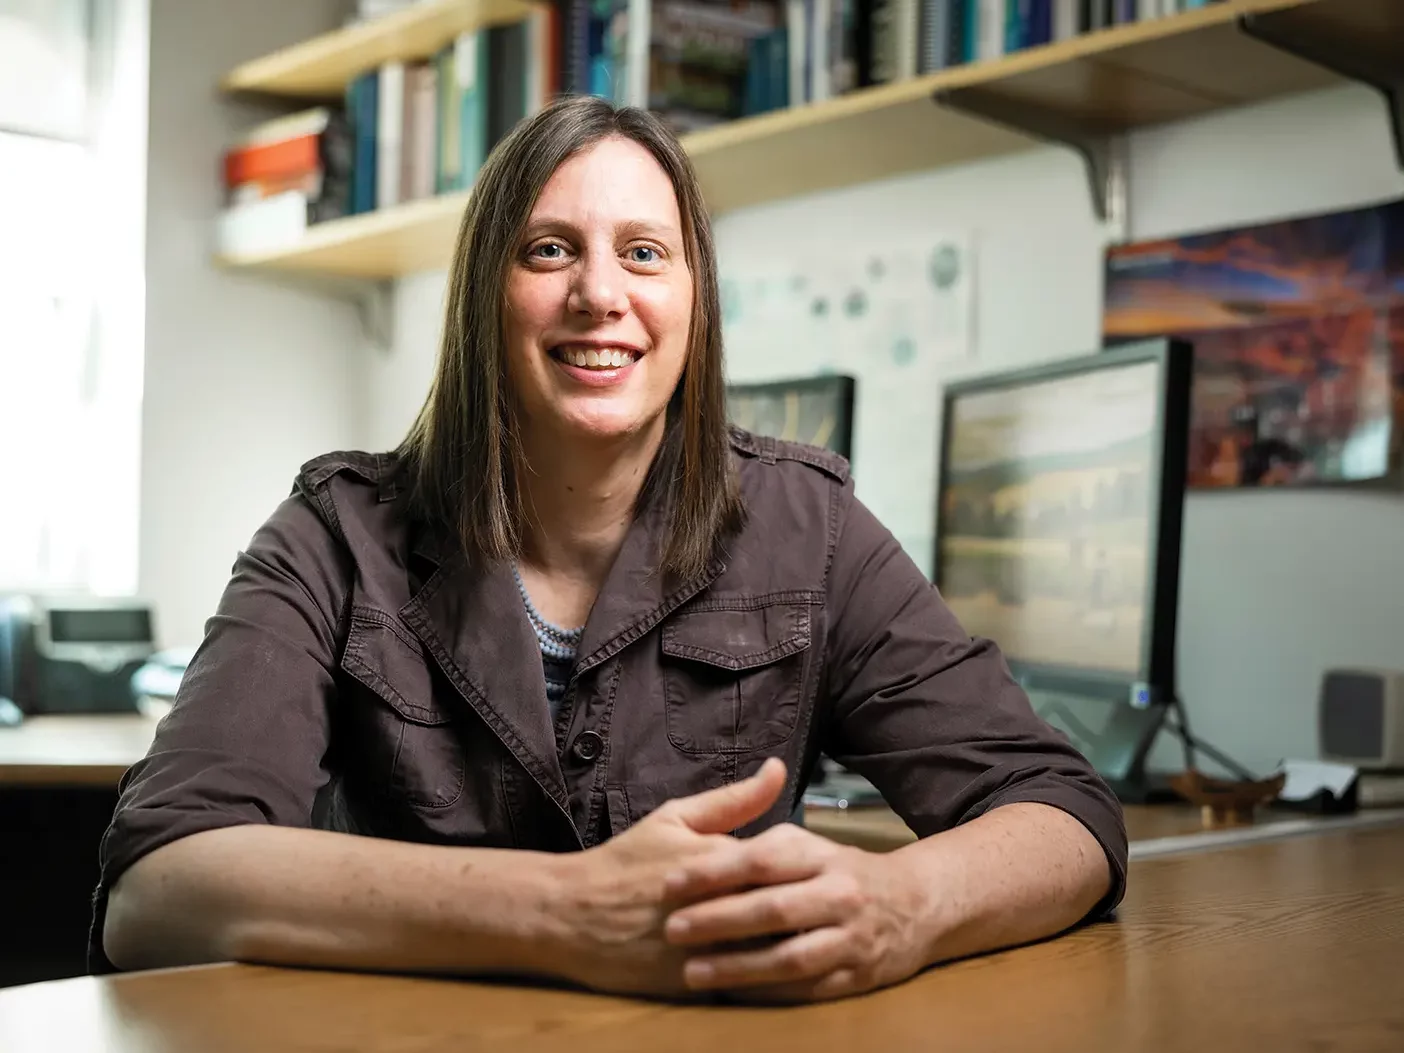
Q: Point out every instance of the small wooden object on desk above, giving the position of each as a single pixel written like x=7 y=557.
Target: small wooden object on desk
x=1224 y=802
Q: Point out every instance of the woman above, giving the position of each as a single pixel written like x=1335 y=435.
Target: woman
x=537 y=693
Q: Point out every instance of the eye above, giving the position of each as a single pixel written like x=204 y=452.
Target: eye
x=549 y=251
x=644 y=254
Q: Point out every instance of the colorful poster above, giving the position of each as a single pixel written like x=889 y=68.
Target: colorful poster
x=1298 y=329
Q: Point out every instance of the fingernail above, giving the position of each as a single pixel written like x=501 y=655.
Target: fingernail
x=674 y=881
x=678 y=926
x=699 y=972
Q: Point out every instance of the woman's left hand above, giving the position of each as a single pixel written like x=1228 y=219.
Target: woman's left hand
x=814 y=919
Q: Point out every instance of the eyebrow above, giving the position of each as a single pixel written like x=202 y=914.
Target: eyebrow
x=631 y=228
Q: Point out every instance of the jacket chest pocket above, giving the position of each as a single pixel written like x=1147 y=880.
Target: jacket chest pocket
x=732 y=679
x=404 y=736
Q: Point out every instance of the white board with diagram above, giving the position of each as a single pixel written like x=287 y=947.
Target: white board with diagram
x=888 y=315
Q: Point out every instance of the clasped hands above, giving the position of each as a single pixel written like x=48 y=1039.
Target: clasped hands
x=676 y=906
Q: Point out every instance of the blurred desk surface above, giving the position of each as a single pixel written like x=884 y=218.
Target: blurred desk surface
x=1152 y=829
x=1289 y=945
x=73 y=749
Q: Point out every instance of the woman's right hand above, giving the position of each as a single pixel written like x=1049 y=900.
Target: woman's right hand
x=615 y=902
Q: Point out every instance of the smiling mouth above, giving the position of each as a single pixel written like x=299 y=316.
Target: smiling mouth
x=595 y=357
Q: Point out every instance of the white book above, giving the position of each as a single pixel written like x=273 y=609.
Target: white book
x=389 y=131
x=797 y=33
x=636 y=50
x=276 y=222
x=1065 y=19
x=822 y=14
x=908 y=37
x=990 y=29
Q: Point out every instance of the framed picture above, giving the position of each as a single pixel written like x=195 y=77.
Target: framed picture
x=813 y=410
x=1298 y=331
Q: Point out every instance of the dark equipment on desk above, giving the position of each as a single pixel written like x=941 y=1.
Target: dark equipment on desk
x=1058 y=536
x=73 y=656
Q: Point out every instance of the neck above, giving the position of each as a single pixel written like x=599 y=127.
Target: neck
x=580 y=501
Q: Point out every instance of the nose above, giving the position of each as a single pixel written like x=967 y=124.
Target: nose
x=600 y=289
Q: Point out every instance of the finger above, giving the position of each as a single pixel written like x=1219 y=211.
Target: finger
x=840 y=983
x=804 y=957
x=760 y=912
x=782 y=854
x=722 y=810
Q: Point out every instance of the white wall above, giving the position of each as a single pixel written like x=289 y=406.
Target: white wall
x=245 y=377
x=1276 y=585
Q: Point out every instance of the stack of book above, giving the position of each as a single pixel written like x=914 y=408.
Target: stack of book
x=284 y=175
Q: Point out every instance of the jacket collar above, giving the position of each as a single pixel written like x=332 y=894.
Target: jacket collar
x=475 y=626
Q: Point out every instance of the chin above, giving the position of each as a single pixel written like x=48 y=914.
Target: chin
x=594 y=425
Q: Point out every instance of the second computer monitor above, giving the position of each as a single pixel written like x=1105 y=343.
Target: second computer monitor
x=1058 y=528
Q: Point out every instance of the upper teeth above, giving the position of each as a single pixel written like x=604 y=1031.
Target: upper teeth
x=608 y=358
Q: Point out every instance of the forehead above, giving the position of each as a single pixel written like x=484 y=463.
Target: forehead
x=612 y=181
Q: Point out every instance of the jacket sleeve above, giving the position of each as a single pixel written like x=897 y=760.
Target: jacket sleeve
x=932 y=717
x=246 y=738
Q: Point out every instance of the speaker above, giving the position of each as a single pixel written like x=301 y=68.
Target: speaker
x=1360 y=717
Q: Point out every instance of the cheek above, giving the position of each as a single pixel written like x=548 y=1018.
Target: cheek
x=667 y=312
x=532 y=305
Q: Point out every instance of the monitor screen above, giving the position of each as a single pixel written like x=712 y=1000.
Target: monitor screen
x=1046 y=533
x=813 y=410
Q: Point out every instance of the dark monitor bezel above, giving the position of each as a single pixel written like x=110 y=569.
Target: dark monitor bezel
x=844 y=385
x=1154 y=682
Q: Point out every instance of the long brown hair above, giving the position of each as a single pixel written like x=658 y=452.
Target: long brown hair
x=463 y=452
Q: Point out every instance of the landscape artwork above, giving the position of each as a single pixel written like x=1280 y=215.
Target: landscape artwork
x=1045 y=516
x=1298 y=328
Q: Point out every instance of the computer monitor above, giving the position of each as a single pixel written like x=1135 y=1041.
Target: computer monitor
x=1058 y=535
x=813 y=410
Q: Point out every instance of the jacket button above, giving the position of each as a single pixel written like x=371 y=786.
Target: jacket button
x=588 y=746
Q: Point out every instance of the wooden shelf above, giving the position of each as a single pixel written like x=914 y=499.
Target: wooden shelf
x=320 y=68
x=1115 y=80
x=415 y=236
x=1074 y=92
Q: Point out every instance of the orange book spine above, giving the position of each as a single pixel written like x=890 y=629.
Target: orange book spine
x=271 y=160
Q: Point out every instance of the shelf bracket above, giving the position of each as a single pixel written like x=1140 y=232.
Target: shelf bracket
x=375 y=306
x=1102 y=153
x=1308 y=43
x=372 y=298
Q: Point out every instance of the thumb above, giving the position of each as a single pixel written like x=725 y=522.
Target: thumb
x=722 y=810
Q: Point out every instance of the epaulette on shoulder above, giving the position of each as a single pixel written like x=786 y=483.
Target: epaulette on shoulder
x=769 y=450
x=378 y=469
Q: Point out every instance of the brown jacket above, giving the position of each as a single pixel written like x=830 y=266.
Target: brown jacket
x=359 y=676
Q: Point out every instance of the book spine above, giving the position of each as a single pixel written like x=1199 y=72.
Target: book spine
x=1040 y=24
x=390 y=117
x=472 y=66
x=364 y=92
x=991 y=21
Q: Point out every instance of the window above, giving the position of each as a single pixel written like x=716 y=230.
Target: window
x=72 y=173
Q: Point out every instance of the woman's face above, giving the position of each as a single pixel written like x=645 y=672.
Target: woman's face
x=599 y=298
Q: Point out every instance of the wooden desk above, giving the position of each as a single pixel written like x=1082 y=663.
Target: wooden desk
x=1284 y=946
x=1151 y=829
x=73 y=750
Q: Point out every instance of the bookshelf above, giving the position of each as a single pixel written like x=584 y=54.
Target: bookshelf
x=321 y=68
x=417 y=235
x=1075 y=91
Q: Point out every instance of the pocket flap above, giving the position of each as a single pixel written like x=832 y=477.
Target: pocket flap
x=737 y=639
x=381 y=656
